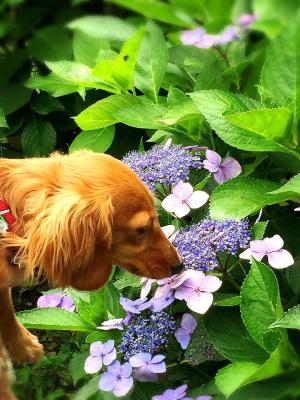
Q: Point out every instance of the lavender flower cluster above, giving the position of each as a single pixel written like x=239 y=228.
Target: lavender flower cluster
x=199 y=244
x=147 y=335
x=163 y=164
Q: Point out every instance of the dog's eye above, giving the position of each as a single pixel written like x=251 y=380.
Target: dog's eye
x=141 y=230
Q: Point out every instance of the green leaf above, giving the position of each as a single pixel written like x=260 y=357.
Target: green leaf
x=44 y=104
x=259 y=229
x=214 y=104
x=230 y=378
x=281 y=71
x=292 y=187
x=152 y=61
x=261 y=305
x=53 y=319
x=127 y=280
x=13 y=96
x=290 y=319
x=230 y=338
x=226 y=300
x=156 y=10
x=78 y=74
x=38 y=138
x=77 y=366
x=3 y=123
x=241 y=197
x=123 y=66
x=88 y=390
x=136 y=111
x=180 y=111
x=97 y=140
x=271 y=123
x=52 y=84
x=88 y=54
x=103 y=27
x=52 y=43
x=103 y=336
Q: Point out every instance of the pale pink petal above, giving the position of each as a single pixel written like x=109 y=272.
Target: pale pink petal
x=246 y=255
x=182 y=293
x=200 y=303
x=280 y=259
x=231 y=168
x=188 y=322
x=274 y=243
x=93 y=364
x=219 y=176
x=171 y=203
x=182 y=210
x=183 y=190
x=197 y=199
x=210 y=284
x=140 y=359
x=110 y=357
x=146 y=287
x=162 y=291
x=189 y=273
x=168 y=230
x=213 y=157
x=123 y=386
x=297 y=209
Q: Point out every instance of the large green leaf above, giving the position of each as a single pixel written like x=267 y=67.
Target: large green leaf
x=290 y=319
x=152 y=61
x=261 y=305
x=103 y=27
x=53 y=319
x=13 y=96
x=291 y=187
x=214 y=104
x=88 y=390
x=3 y=123
x=38 y=138
x=156 y=9
x=45 y=104
x=271 y=123
x=230 y=338
x=98 y=140
x=52 y=43
x=281 y=71
x=86 y=48
x=52 y=84
x=136 y=111
x=241 y=197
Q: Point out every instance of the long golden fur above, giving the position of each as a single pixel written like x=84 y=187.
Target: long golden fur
x=76 y=216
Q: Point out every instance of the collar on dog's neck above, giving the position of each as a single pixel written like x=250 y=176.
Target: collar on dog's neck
x=6 y=218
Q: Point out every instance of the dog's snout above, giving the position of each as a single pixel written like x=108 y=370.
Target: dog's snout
x=177 y=269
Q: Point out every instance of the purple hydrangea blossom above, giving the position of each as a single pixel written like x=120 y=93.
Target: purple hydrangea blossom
x=135 y=306
x=196 y=289
x=278 y=257
x=112 y=324
x=222 y=171
x=184 y=333
x=183 y=198
x=203 y=40
x=199 y=244
x=117 y=379
x=161 y=302
x=192 y=36
x=229 y=34
x=146 y=287
x=147 y=335
x=164 y=165
x=172 y=394
x=100 y=354
x=146 y=367
x=246 y=20
x=57 y=300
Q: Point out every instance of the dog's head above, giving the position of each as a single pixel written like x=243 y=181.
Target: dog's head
x=94 y=212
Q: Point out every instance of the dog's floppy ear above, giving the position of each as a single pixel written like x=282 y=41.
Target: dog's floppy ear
x=66 y=239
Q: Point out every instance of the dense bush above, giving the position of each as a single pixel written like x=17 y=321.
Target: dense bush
x=200 y=91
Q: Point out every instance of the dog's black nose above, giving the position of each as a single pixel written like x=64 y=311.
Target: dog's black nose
x=177 y=269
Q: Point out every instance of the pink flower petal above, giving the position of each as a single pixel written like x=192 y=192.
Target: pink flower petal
x=219 y=176
x=171 y=203
x=182 y=278
x=140 y=359
x=183 y=190
x=197 y=199
x=162 y=291
x=297 y=209
x=168 y=230
x=146 y=287
x=188 y=322
x=246 y=255
x=274 y=243
x=93 y=364
x=123 y=386
x=182 y=210
x=200 y=303
x=110 y=357
x=231 y=168
x=210 y=284
x=213 y=157
x=280 y=259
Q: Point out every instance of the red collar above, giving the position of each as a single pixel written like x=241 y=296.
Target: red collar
x=6 y=215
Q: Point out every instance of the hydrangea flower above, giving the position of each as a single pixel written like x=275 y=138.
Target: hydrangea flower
x=278 y=257
x=100 y=354
x=201 y=39
x=246 y=20
x=172 y=394
x=164 y=165
x=222 y=171
x=184 y=333
x=169 y=231
x=183 y=198
x=199 y=244
x=112 y=324
x=134 y=306
x=117 y=379
x=56 y=300
x=196 y=289
x=161 y=302
x=146 y=367
x=147 y=335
